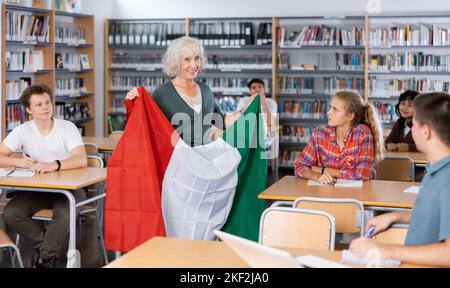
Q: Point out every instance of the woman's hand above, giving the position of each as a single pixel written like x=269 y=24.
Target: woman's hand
x=133 y=93
x=44 y=167
x=391 y=147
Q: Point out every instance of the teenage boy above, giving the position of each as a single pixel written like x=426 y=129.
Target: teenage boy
x=428 y=238
x=47 y=145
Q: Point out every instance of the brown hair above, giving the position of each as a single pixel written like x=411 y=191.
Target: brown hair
x=433 y=109
x=365 y=113
x=36 y=89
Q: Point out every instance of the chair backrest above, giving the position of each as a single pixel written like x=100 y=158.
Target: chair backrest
x=345 y=212
x=116 y=134
x=297 y=228
x=91 y=149
x=395 y=168
x=94 y=161
x=395 y=235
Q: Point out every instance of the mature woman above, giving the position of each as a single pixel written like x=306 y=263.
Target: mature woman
x=183 y=99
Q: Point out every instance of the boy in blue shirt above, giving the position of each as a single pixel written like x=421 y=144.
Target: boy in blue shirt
x=428 y=239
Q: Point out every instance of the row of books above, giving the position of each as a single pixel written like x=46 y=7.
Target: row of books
x=229 y=33
x=72 y=111
x=301 y=85
x=410 y=61
x=350 y=61
x=155 y=34
x=72 y=86
x=334 y=84
x=26 y=60
x=139 y=61
x=72 y=61
x=410 y=35
x=128 y=83
x=295 y=134
x=235 y=85
x=71 y=6
x=14 y=88
x=302 y=109
x=386 y=111
x=70 y=35
x=288 y=157
x=118 y=105
x=239 y=62
x=380 y=87
x=344 y=61
x=319 y=35
x=16 y=114
x=26 y=27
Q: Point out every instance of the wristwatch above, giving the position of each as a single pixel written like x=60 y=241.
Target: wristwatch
x=59 y=164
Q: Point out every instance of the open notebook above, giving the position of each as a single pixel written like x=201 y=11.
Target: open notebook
x=16 y=172
x=260 y=256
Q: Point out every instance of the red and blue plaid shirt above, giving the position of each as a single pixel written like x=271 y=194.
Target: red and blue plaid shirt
x=355 y=161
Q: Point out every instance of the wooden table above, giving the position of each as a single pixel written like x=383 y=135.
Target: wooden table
x=418 y=157
x=373 y=193
x=62 y=182
x=162 y=252
x=105 y=145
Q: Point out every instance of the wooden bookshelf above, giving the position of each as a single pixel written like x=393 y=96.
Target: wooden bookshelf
x=49 y=74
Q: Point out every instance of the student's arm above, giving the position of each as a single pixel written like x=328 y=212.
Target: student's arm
x=361 y=168
x=6 y=161
x=392 y=140
x=384 y=221
x=437 y=254
x=76 y=160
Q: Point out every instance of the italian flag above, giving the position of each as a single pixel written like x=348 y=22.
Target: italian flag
x=157 y=185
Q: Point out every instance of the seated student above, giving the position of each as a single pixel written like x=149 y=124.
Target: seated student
x=268 y=107
x=347 y=147
x=400 y=138
x=48 y=145
x=428 y=238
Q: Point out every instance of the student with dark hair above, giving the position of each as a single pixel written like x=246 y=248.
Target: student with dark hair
x=400 y=138
x=348 y=147
x=48 y=145
x=428 y=238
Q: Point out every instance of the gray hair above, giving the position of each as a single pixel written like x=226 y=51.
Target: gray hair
x=182 y=47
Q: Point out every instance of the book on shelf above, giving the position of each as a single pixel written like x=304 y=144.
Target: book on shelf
x=70 y=6
x=410 y=35
x=315 y=35
x=382 y=87
x=72 y=111
x=295 y=134
x=334 y=84
x=71 y=61
x=26 y=27
x=287 y=157
x=14 y=88
x=70 y=87
x=301 y=85
x=136 y=60
x=232 y=86
x=128 y=83
x=84 y=61
x=144 y=33
x=26 y=60
x=16 y=115
x=302 y=109
x=70 y=35
x=386 y=111
x=239 y=62
x=409 y=61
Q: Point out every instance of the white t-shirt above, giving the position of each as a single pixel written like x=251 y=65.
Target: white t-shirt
x=55 y=146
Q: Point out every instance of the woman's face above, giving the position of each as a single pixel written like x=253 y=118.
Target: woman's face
x=405 y=109
x=337 y=115
x=189 y=67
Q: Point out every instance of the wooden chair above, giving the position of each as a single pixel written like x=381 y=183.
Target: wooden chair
x=348 y=213
x=91 y=149
x=395 y=235
x=297 y=228
x=7 y=243
x=116 y=134
x=396 y=168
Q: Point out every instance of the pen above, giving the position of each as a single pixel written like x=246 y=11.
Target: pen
x=369 y=233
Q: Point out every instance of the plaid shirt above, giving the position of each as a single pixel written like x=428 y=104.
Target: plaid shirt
x=354 y=162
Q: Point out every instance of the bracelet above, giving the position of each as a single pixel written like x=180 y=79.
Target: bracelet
x=59 y=164
x=323 y=169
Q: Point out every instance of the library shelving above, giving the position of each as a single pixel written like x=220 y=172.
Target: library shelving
x=304 y=61
x=32 y=52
